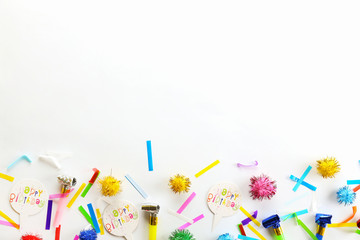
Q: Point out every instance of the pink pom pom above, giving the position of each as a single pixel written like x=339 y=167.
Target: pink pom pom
x=262 y=187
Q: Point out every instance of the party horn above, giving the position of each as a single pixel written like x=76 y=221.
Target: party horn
x=322 y=220
x=274 y=221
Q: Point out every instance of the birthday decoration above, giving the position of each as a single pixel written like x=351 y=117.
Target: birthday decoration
x=328 y=167
x=345 y=195
x=181 y=235
x=223 y=200
x=109 y=186
x=179 y=183
x=226 y=236
x=262 y=187
x=121 y=219
x=31 y=237
x=88 y=234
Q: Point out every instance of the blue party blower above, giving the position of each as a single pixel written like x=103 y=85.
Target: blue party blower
x=274 y=221
x=322 y=220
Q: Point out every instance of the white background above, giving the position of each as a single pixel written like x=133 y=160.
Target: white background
x=238 y=81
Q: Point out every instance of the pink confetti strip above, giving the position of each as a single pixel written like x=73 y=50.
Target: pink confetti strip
x=59 y=195
x=251 y=165
x=6 y=223
x=186 y=203
x=186 y=225
x=76 y=237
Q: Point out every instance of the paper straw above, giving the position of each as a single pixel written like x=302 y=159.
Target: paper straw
x=5 y=223
x=9 y=220
x=48 y=215
x=136 y=186
x=248 y=220
x=242 y=230
x=246 y=238
x=57 y=233
x=149 y=153
x=357 y=231
x=71 y=202
x=249 y=216
x=251 y=165
x=93 y=218
x=182 y=217
x=22 y=157
x=98 y=215
x=6 y=177
x=297 y=185
x=91 y=182
x=352 y=216
x=59 y=211
x=256 y=232
x=207 y=168
x=356 y=188
x=186 y=225
x=59 y=195
x=292 y=215
x=186 y=203
x=86 y=215
x=350 y=182
x=332 y=225
x=305 y=184
x=307 y=230
x=76 y=237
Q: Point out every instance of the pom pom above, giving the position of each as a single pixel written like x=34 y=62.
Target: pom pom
x=262 y=187
x=89 y=234
x=31 y=237
x=110 y=186
x=181 y=235
x=327 y=167
x=226 y=236
x=345 y=195
x=179 y=183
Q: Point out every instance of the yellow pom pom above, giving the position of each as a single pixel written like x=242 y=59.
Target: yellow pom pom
x=179 y=183
x=327 y=167
x=110 y=186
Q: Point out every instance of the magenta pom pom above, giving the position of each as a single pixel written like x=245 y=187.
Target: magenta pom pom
x=262 y=187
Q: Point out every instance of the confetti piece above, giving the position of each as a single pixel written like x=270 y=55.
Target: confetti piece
x=5 y=223
x=305 y=184
x=86 y=215
x=350 y=182
x=182 y=217
x=297 y=185
x=48 y=215
x=307 y=230
x=76 y=237
x=149 y=153
x=352 y=216
x=256 y=232
x=342 y=225
x=60 y=195
x=22 y=157
x=71 y=202
x=186 y=225
x=57 y=233
x=6 y=177
x=59 y=212
x=248 y=220
x=9 y=220
x=356 y=188
x=93 y=218
x=91 y=182
x=242 y=230
x=207 y=168
x=186 y=203
x=246 y=238
x=249 y=216
x=251 y=165
x=98 y=215
x=136 y=186
x=292 y=215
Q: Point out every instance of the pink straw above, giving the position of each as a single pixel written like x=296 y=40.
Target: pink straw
x=59 y=195
x=186 y=203
x=6 y=223
x=76 y=237
x=186 y=225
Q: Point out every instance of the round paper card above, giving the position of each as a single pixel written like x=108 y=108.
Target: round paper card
x=28 y=197
x=223 y=200
x=121 y=219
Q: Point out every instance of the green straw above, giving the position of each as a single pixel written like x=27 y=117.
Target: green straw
x=307 y=230
x=86 y=215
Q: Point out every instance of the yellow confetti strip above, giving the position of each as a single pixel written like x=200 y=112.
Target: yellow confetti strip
x=249 y=216
x=6 y=177
x=98 y=215
x=71 y=202
x=256 y=232
x=9 y=220
x=342 y=225
x=207 y=168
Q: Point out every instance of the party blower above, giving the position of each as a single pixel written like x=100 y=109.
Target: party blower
x=274 y=221
x=322 y=220
x=153 y=209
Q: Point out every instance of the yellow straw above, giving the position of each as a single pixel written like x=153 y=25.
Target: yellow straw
x=256 y=232
x=207 y=168
x=249 y=216
x=71 y=202
x=98 y=215
x=6 y=177
x=9 y=220
x=342 y=225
